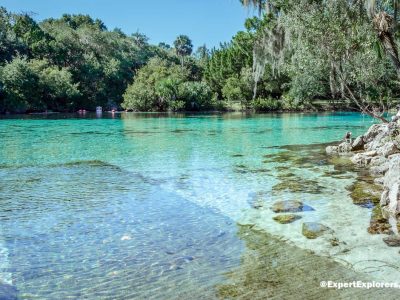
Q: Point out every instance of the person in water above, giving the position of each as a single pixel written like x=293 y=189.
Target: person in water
x=347 y=137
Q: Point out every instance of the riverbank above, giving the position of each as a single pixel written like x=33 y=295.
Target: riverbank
x=320 y=205
x=378 y=150
x=311 y=107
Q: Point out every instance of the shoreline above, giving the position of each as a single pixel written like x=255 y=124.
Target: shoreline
x=248 y=112
x=353 y=230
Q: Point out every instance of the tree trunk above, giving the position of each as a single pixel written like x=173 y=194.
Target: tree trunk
x=385 y=25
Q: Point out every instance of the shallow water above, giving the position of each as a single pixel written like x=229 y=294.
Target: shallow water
x=147 y=206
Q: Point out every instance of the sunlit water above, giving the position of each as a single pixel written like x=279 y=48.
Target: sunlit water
x=148 y=206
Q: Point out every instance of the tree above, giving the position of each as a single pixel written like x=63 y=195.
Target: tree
x=153 y=87
x=56 y=87
x=163 y=85
x=140 y=39
x=183 y=47
x=330 y=46
x=20 y=87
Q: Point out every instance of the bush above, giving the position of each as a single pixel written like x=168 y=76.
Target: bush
x=163 y=85
x=290 y=103
x=237 y=89
x=197 y=95
x=155 y=86
x=268 y=104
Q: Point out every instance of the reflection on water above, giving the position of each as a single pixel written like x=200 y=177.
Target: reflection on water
x=147 y=205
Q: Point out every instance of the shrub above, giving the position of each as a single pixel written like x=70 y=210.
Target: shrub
x=264 y=105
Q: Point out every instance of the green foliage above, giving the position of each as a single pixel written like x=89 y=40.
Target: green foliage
x=84 y=64
x=183 y=45
x=293 y=53
x=198 y=95
x=56 y=87
x=238 y=89
x=229 y=60
x=35 y=86
x=266 y=104
x=20 y=87
x=324 y=50
x=163 y=85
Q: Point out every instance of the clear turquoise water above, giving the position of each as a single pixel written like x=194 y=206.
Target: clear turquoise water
x=137 y=205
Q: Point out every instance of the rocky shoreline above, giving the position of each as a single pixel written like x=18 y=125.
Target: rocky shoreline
x=378 y=150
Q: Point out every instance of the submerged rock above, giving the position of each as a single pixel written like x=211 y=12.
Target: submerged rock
x=286 y=219
x=258 y=204
x=378 y=223
x=365 y=194
x=334 y=242
x=287 y=206
x=299 y=185
x=392 y=240
x=312 y=230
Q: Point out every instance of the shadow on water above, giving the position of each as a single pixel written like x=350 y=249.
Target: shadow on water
x=273 y=269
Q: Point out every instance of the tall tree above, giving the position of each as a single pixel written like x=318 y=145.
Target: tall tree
x=183 y=47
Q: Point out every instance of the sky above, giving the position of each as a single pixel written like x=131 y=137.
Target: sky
x=204 y=21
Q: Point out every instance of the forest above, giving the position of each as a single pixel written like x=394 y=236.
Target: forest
x=295 y=55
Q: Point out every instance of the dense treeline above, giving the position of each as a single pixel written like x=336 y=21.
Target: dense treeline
x=293 y=53
x=75 y=62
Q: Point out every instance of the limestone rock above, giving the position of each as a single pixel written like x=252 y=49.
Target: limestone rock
x=358 y=144
x=380 y=170
x=391 y=195
x=331 y=150
x=375 y=136
x=363 y=159
x=388 y=149
x=344 y=147
x=378 y=161
x=379 y=180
